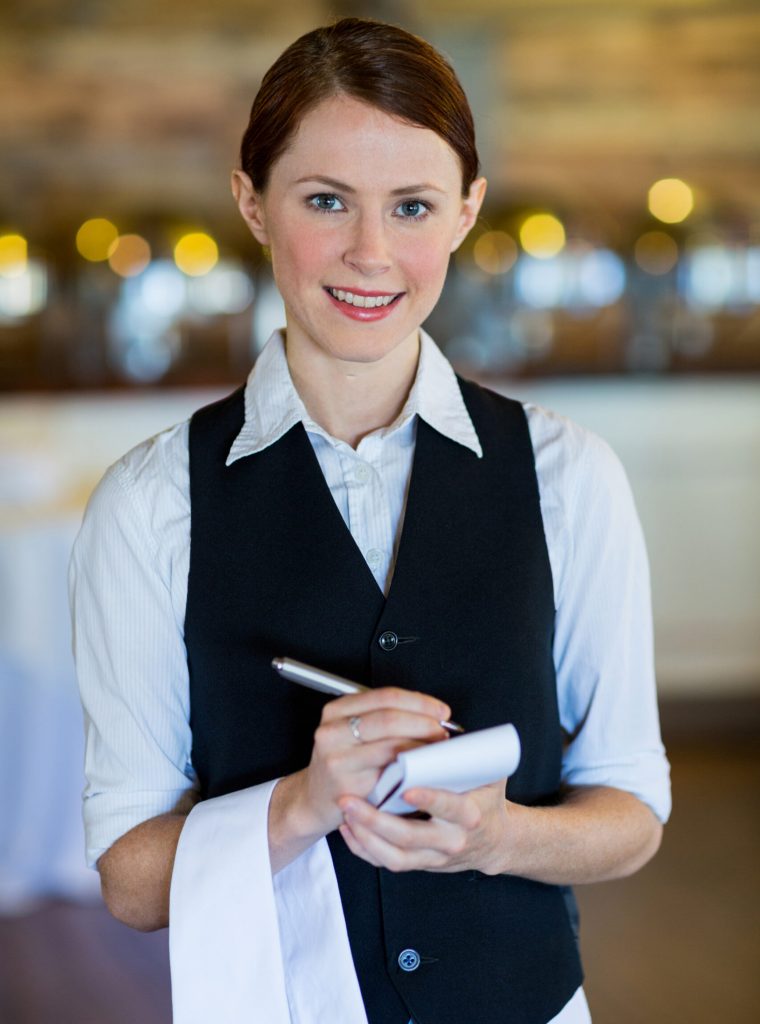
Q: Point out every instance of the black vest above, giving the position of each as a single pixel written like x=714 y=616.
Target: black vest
x=274 y=571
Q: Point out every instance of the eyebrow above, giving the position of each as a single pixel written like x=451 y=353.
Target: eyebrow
x=341 y=186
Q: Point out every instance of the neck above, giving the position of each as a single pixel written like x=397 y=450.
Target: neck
x=350 y=399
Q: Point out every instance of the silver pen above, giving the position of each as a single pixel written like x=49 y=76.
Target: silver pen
x=326 y=682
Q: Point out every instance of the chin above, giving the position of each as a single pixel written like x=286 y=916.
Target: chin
x=369 y=351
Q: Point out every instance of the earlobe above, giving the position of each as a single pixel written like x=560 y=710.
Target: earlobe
x=470 y=209
x=249 y=202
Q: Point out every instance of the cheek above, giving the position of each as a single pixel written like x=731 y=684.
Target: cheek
x=303 y=254
x=310 y=250
x=427 y=260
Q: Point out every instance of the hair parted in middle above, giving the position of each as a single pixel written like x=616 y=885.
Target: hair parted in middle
x=379 y=64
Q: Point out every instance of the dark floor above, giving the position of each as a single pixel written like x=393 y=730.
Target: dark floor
x=677 y=944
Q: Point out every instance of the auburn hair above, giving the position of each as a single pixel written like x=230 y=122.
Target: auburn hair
x=380 y=64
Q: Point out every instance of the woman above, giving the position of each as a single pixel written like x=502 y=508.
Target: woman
x=461 y=554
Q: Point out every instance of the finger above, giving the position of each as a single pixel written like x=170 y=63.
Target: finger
x=385 y=854
x=358 y=756
x=386 y=697
x=386 y=723
x=404 y=833
x=372 y=726
x=457 y=808
x=356 y=847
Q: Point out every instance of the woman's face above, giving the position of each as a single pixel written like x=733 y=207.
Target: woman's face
x=361 y=213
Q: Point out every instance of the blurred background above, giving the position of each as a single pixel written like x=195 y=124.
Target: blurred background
x=614 y=276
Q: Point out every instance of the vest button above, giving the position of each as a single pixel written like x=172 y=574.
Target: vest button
x=409 y=960
x=388 y=640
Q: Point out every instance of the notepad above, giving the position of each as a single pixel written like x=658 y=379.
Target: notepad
x=458 y=764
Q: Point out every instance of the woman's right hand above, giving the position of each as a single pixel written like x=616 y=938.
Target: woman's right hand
x=304 y=805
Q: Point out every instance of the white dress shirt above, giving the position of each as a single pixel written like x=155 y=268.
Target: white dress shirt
x=128 y=589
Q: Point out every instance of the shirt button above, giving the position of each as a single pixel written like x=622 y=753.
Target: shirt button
x=362 y=473
x=409 y=960
x=374 y=558
x=388 y=641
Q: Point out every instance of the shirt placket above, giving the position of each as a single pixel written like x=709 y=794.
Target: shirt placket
x=369 y=518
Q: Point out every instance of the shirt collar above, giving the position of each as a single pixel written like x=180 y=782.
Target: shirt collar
x=436 y=398
x=273 y=406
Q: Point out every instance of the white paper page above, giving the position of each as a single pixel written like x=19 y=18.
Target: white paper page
x=458 y=764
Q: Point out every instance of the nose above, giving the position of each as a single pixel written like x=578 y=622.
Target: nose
x=367 y=246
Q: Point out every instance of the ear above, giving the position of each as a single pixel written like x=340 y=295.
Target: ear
x=250 y=204
x=470 y=209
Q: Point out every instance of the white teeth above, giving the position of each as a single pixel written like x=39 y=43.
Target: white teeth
x=363 y=301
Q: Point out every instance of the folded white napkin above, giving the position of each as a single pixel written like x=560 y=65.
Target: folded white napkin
x=247 y=949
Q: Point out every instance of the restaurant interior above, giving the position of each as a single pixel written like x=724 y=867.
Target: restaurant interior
x=613 y=276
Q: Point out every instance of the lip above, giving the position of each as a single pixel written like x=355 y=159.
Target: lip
x=361 y=313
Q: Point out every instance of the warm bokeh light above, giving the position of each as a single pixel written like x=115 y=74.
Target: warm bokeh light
x=671 y=200
x=542 y=235
x=129 y=255
x=13 y=255
x=95 y=238
x=656 y=252
x=495 y=252
x=196 y=253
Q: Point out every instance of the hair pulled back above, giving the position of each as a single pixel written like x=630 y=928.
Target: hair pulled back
x=382 y=65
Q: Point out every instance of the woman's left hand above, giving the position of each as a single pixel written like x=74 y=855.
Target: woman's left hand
x=465 y=831
x=595 y=833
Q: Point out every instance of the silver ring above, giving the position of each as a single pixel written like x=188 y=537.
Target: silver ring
x=353 y=725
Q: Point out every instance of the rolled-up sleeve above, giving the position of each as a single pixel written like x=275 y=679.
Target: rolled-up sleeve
x=603 y=644
x=130 y=658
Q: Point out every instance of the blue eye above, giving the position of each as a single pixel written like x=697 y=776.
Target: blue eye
x=413 y=209
x=325 y=202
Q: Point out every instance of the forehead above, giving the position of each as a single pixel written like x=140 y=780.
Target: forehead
x=347 y=139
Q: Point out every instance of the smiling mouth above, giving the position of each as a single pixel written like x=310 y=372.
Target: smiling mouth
x=363 y=301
